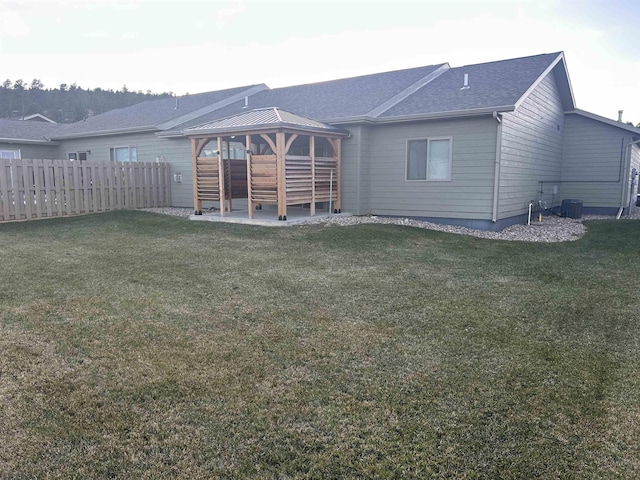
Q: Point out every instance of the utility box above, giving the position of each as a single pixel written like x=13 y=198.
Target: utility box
x=571 y=208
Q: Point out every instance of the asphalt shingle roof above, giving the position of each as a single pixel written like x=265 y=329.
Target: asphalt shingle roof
x=26 y=130
x=147 y=114
x=384 y=96
x=494 y=84
x=331 y=100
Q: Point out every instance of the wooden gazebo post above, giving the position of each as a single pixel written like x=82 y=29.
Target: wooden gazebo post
x=197 y=144
x=248 y=153
x=221 y=177
x=281 y=173
x=312 y=154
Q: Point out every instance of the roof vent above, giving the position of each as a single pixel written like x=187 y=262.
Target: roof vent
x=177 y=102
x=246 y=101
x=466 y=82
x=620 y=112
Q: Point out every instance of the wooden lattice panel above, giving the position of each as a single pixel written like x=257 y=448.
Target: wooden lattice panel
x=324 y=165
x=264 y=185
x=207 y=178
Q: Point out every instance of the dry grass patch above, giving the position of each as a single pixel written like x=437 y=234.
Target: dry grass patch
x=150 y=347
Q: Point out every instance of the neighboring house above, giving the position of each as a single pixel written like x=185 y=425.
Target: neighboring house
x=471 y=145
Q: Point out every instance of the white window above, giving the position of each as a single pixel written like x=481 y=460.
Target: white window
x=9 y=154
x=429 y=159
x=124 y=154
x=77 y=156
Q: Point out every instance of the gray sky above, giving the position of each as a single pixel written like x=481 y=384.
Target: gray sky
x=192 y=46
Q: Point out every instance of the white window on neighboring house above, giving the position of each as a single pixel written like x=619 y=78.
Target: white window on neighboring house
x=77 y=156
x=9 y=154
x=124 y=154
x=429 y=159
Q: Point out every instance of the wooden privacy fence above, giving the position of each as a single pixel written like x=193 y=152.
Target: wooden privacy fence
x=54 y=188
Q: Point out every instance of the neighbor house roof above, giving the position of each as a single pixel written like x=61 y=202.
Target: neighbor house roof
x=263 y=119
x=29 y=132
x=155 y=114
x=608 y=121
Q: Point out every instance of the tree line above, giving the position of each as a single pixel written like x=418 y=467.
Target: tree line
x=66 y=103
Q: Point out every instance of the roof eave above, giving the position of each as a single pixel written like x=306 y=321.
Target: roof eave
x=105 y=133
x=29 y=141
x=474 y=112
x=267 y=128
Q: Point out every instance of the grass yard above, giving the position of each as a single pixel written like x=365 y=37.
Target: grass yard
x=135 y=345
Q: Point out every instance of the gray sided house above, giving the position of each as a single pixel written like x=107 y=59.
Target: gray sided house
x=471 y=145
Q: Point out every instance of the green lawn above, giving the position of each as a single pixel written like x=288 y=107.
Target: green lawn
x=135 y=345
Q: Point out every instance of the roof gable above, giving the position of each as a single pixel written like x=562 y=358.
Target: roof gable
x=491 y=86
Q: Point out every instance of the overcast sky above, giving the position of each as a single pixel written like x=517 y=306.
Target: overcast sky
x=195 y=46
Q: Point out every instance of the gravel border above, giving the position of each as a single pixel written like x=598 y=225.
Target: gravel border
x=551 y=229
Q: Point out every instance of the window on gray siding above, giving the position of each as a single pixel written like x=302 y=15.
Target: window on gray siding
x=124 y=154
x=9 y=154
x=429 y=159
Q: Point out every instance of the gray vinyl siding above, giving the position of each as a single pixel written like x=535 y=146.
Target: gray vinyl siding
x=468 y=195
x=32 y=151
x=531 y=150
x=634 y=165
x=177 y=152
x=593 y=161
x=355 y=171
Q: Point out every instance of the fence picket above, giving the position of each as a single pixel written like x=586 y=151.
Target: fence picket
x=54 y=188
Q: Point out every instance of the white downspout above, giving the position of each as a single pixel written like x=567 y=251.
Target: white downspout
x=496 y=168
x=625 y=178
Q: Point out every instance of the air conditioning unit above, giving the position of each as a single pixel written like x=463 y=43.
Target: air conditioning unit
x=571 y=208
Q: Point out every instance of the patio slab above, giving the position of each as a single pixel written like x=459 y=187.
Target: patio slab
x=267 y=217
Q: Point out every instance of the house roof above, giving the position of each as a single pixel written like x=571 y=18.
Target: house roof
x=30 y=132
x=426 y=92
x=335 y=100
x=608 y=121
x=155 y=114
x=263 y=119
x=433 y=91
x=492 y=86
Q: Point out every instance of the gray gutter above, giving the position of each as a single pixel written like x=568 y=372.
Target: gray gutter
x=422 y=116
x=103 y=133
x=365 y=119
x=25 y=141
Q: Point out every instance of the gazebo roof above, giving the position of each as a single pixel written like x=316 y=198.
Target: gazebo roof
x=264 y=119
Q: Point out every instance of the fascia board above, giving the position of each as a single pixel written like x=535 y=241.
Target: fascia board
x=542 y=76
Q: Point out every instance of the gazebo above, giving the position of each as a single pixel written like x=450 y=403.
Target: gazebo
x=268 y=156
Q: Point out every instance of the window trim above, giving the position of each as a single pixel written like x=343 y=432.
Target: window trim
x=428 y=140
